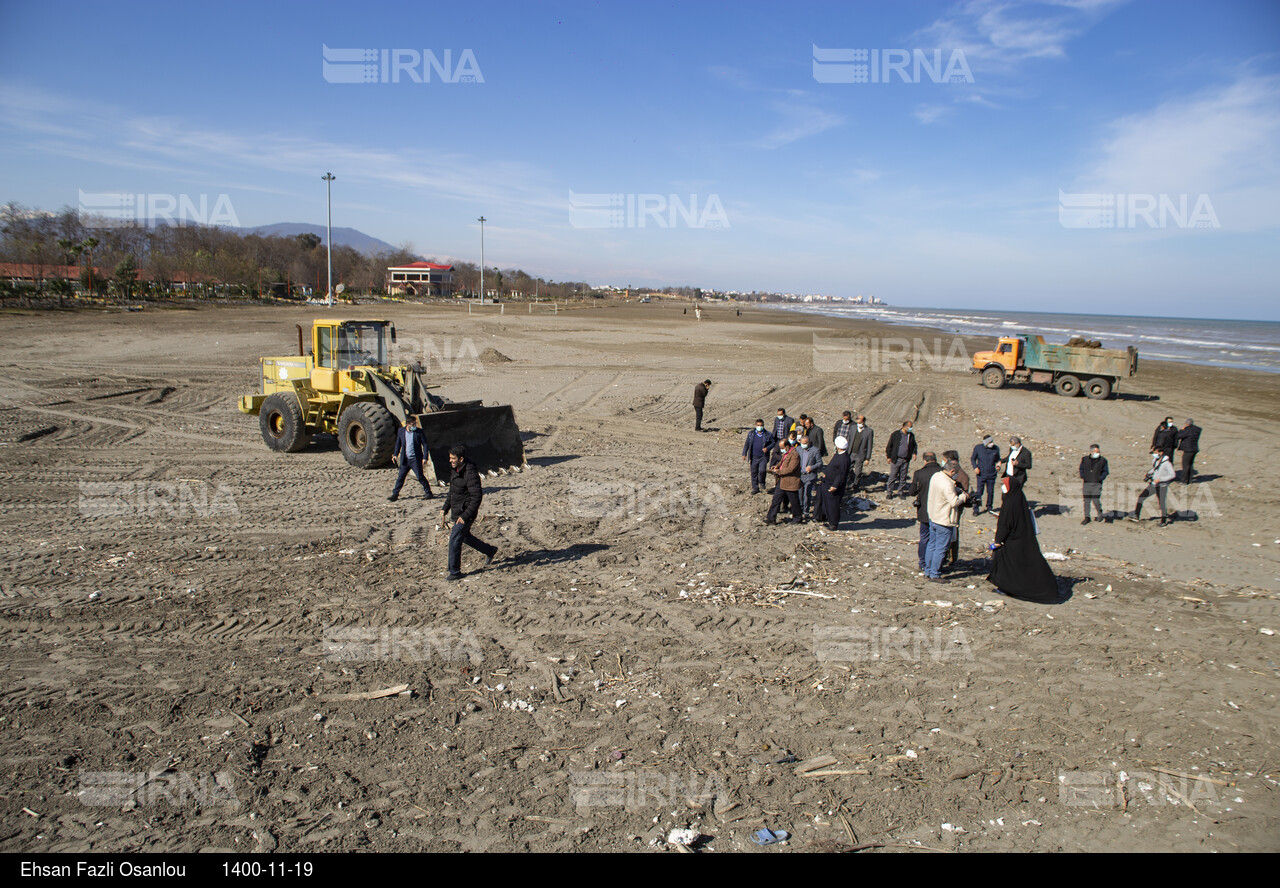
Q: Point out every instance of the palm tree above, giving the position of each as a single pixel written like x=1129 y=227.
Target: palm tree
x=65 y=243
x=89 y=245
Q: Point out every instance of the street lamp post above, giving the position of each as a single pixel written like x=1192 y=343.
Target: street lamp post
x=481 y=220
x=328 y=227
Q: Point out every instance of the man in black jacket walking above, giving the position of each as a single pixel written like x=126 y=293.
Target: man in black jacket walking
x=1189 y=444
x=462 y=504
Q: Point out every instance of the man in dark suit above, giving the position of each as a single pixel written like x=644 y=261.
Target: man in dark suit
x=900 y=452
x=1189 y=444
x=1016 y=463
x=860 y=448
x=814 y=433
x=831 y=484
x=920 y=490
x=410 y=452
x=699 y=401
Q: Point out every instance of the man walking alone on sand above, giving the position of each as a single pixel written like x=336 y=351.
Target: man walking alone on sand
x=462 y=503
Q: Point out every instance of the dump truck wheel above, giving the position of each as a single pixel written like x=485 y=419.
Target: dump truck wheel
x=280 y=419
x=993 y=377
x=1068 y=386
x=1098 y=388
x=367 y=435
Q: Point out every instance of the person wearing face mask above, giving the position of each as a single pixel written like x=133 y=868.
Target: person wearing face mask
x=785 y=443
x=1162 y=472
x=1017 y=463
x=783 y=425
x=1093 y=471
x=861 y=446
x=814 y=432
x=810 y=465
x=756 y=449
x=985 y=460
x=1165 y=438
x=901 y=450
x=788 y=489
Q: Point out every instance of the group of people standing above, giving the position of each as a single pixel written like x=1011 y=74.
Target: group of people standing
x=793 y=451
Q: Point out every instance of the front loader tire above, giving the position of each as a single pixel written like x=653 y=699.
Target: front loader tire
x=283 y=428
x=367 y=435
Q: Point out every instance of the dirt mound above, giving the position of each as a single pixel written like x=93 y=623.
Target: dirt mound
x=493 y=356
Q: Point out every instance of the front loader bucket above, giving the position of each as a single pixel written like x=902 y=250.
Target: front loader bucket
x=489 y=434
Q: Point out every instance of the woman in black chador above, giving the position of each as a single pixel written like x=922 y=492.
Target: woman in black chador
x=1020 y=570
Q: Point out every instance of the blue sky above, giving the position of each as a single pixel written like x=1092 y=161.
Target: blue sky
x=919 y=192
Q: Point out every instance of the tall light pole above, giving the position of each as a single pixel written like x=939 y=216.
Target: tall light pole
x=481 y=220
x=328 y=227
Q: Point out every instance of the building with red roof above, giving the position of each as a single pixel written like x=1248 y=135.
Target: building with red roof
x=420 y=279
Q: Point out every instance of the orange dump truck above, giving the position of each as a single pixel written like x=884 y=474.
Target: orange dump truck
x=1070 y=369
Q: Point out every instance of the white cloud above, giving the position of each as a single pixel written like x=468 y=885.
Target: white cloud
x=1223 y=142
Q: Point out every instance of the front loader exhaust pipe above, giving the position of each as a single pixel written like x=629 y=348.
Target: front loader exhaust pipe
x=300 y=351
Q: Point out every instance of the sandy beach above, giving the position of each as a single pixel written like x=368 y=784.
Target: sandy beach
x=197 y=671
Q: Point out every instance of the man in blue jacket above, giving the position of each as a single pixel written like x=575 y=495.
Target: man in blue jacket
x=756 y=448
x=411 y=451
x=986 y=464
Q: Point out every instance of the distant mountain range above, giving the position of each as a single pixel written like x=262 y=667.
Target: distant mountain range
x=342 y=237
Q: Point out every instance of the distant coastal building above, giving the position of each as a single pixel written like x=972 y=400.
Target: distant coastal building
x=420 y=279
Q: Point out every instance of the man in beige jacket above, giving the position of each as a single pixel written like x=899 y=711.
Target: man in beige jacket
x=945 y=502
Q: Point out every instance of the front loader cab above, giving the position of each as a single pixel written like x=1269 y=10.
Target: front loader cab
x=343 y=345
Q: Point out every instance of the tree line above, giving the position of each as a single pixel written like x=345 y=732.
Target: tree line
x=208 y=260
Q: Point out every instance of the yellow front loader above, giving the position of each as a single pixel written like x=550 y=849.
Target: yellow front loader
x=346 y=387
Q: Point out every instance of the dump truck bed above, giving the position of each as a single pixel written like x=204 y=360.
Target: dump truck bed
x=1082 y=362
